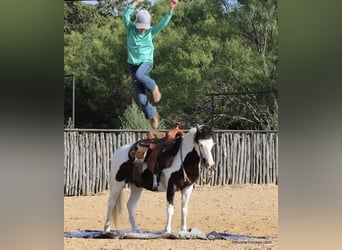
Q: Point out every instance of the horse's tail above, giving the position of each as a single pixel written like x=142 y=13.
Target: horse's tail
x=117 y=210
x=115 y=193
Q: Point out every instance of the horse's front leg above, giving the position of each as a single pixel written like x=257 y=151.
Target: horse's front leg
x=186 y=193
x=170 y=194
x=131 y=205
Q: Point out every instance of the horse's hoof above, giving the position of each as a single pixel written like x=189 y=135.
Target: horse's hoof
x=136 y=230
x=109 y=235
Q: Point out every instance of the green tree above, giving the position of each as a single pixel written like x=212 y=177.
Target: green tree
x=257 y=23
x=79 y=16
x=96 y=57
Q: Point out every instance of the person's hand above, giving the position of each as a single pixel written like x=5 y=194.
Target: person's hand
x=137 y=2
x=173 y=4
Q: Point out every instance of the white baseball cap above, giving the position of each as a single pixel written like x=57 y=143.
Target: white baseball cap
x=143 y=20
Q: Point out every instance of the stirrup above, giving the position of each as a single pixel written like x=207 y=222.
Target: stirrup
x=155 y=183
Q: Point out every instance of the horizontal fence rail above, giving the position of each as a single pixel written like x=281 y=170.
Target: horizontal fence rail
x=241 y=157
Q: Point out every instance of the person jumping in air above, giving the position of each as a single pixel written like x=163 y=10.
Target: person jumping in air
x=140 y=48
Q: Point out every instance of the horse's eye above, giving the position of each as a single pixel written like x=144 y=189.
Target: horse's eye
x=201 y=145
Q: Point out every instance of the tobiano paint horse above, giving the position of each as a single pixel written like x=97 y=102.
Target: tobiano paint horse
x=190 y=152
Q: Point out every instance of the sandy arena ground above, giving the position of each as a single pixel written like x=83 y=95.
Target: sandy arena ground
x=236 y=209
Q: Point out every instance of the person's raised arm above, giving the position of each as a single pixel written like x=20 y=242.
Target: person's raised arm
x=166 y=19
x=129 y=10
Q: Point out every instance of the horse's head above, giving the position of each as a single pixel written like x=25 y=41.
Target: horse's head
x=204 y=141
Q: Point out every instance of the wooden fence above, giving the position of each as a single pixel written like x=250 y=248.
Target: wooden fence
x=240 y=157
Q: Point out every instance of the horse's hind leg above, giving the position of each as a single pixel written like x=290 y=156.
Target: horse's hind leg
x=131 y=205
x=113 y=202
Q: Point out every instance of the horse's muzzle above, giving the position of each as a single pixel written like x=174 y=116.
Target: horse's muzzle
x=210 y=165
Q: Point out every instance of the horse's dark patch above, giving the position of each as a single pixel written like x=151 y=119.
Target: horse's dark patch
x=167 y=154
x=147 y=180
x=203 y=133
x=125 y=171
x=174 y=149
x=192 y=159
x=178 y=179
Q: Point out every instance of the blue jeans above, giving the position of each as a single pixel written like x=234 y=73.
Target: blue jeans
x=141 y=82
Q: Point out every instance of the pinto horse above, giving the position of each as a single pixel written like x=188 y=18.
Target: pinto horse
x=191 y=152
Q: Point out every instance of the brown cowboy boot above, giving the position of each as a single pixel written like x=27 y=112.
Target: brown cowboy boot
x=156 y=94
x=154 y=122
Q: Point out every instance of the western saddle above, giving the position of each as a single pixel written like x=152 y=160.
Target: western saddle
x=150 y=150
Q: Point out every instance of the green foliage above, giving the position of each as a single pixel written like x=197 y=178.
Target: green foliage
x=133 y=118
x=112 y=8
x=78 y=17
x=102 y=85
x=257 y=23
x=208 y=47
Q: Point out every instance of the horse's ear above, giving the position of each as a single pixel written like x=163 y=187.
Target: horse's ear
x=198 y=128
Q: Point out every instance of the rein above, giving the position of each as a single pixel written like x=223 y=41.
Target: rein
x=186 y=178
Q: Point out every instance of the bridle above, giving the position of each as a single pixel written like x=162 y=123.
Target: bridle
x=202 y=167
x=205 y=169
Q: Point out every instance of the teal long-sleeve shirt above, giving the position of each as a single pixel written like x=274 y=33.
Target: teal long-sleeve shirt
x=140 y=45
